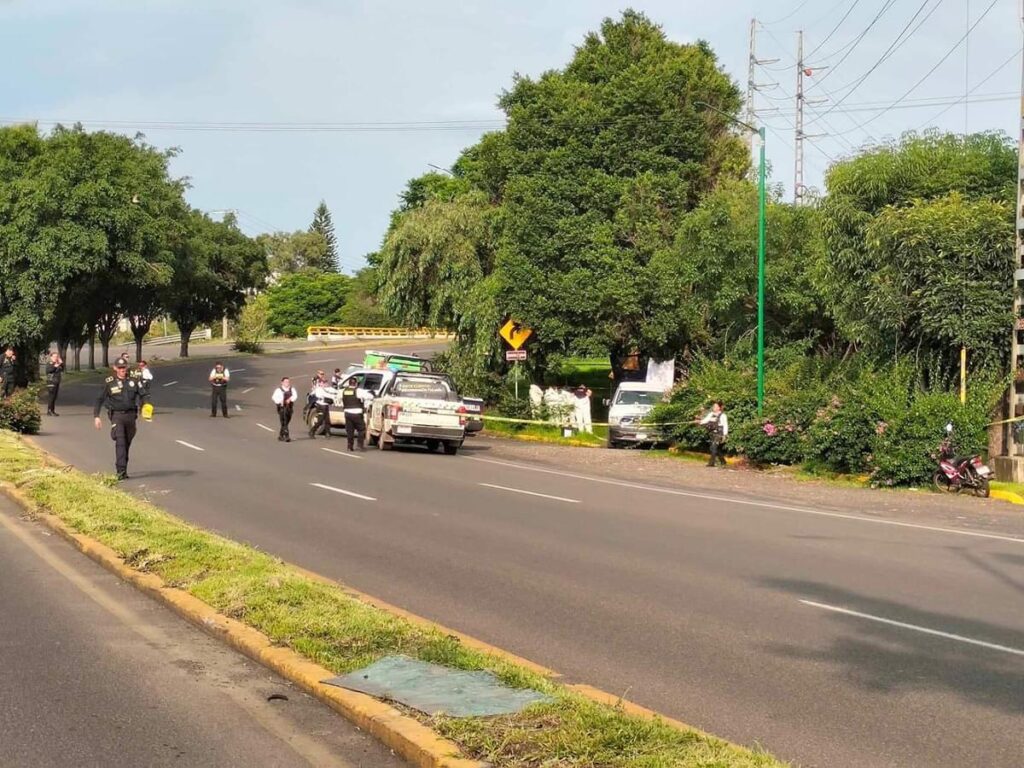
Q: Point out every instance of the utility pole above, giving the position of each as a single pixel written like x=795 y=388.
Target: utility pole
x=798 y=162
x=752 y=86
x=1016 y=397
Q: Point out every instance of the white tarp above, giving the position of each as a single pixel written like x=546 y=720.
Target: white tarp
x=661 y=373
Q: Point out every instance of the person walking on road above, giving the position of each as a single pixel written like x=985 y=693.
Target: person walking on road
x=54 y=373
x=353 y=400
x=7 y=372
x=219 y=379
x=717 y=424
x=121 y=397
x=284 y=398
x=323 y=396
x=143 y=375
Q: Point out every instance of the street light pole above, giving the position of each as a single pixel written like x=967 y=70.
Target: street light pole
x=761 y=245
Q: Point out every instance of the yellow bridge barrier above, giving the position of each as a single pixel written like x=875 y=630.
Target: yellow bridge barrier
x=332 y=332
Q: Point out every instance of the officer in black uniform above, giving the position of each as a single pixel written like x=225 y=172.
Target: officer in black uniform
x=54 y=373
x=355 y=420
x=7 y=366
x=121 y=396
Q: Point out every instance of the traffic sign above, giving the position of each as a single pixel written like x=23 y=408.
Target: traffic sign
x=515 y=355
x=515 y=334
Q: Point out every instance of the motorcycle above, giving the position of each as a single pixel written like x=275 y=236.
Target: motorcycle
x=955 y=473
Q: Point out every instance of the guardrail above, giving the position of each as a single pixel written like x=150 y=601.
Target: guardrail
x=335 y=332
x=202 y=335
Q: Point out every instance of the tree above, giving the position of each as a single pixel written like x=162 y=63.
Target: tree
x=290 y=252
x=886 y=193
x=361 y=308
x=324 y=225
x=216 y=267
x=253 y=324
x=303 y=299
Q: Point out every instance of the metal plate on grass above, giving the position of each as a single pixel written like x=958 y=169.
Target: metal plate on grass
x=434 y=689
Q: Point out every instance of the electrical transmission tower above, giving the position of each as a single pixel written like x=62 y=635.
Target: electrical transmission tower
x=752 y=86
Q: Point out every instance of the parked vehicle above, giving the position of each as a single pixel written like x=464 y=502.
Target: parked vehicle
x=421 y=409
x=956 y=473
x=474 y=414
x=628 y=408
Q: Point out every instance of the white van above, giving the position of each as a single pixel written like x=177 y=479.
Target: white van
x=627 y=410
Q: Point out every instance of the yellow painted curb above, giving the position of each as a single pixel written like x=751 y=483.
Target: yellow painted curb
x=405 y=735
x=1010 y=496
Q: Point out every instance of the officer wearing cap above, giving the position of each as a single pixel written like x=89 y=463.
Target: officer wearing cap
x=121 y=396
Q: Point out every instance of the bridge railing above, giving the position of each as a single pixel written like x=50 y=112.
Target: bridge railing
x=338 y=332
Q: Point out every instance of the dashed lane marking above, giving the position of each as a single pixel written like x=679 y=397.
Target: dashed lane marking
x=342 y=453
x=263 y=426
x=247 y=391
x=529 y=493
x=189 y=445
x=170 y=383
x=343 y=491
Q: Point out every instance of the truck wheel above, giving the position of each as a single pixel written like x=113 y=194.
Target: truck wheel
x=433 y=445
x=450 y=449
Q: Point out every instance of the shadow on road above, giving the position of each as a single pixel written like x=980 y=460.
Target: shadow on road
x=889 y=659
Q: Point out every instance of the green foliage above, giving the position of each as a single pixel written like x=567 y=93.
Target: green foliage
x=905 y=453
x=290 y=252
x=253 y=324
x=323 y=225
x=20 y=412
x=361 y=308
x=297 y=301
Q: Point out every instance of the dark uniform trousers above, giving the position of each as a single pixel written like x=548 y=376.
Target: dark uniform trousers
x=122 y=432
x=284 y=413
x=355 y=425
x=323 y=424
x=51 y=403
x=219 y=395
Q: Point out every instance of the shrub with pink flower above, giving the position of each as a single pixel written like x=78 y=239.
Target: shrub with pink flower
x=769 y=429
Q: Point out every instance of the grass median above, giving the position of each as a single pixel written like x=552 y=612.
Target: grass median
x=342 y=633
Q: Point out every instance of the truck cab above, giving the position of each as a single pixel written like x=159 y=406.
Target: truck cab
x=627 y=409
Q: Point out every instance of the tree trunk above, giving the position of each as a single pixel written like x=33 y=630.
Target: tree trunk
x=78 y=356
x=92 y=347
x=186 y=335
x=140 y=327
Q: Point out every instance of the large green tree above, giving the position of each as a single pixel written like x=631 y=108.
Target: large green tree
x=290 y=252
x=323 y=224
x=919 y=236
x=307 y=298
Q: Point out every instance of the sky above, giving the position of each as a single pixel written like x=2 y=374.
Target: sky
x=260 y=95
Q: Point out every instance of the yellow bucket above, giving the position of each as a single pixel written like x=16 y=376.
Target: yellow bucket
x=147 y=411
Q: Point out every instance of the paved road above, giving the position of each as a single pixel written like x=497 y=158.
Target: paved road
x=94 y=674
x=830 y=636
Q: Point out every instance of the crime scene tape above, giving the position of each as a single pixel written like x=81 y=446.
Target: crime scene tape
x=506 y=419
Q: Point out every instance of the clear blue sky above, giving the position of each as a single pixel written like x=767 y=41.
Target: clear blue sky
x=131 y=65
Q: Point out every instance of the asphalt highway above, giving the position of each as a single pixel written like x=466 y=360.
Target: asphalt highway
x=95 y=674
x=829 y=636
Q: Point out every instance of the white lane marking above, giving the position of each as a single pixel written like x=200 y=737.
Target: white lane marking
x=263 y=426
x=238 y=407
x=325 y=360
x=748 y=502
x=342 y=453
x=189 y=445
x=247 y=391
x=238 y=370
x=170 y=383
x=342 y=490
x=915 y=627
x=529 y=493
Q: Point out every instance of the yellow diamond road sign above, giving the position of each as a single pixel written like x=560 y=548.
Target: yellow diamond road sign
x=515 y=334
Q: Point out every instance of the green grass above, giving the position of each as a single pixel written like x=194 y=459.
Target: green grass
x=539 y=433
x=998 y=485
x=328 y=626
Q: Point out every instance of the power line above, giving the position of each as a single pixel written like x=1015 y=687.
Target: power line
x=857 y=40
x=835 y=28
x=788 y=16
x=964 y=98
x=931 y=71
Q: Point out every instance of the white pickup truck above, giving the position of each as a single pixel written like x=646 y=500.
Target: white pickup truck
x=418 y=408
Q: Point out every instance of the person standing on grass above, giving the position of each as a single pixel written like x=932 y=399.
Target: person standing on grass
x=7 y=365
x=717 y=424
x=219 y=379
x=54 y=373
x=581 y=407
x=284 y=398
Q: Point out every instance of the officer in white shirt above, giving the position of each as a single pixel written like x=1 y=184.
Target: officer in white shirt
x=717 y=424
x=324 y=396
x=284 y=398
x=219 y=378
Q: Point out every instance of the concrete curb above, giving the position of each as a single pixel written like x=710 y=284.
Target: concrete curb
x=407 y=736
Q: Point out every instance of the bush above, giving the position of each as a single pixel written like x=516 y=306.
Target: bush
x=302 y=299
x=253 y=325
x=905 y=451
x=20 y=412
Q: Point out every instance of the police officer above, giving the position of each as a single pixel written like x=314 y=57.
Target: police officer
x=324 y=397
x=7 y=365
x=353 y=403
x=122 y=397
x=219 y=378
x=54 y=373
x=284 y=398
x=717 y=423
x=143 y=376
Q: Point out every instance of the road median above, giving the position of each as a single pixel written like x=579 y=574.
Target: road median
x=308 y=629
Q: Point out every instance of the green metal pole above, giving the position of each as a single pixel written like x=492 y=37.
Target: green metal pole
x=760 y=276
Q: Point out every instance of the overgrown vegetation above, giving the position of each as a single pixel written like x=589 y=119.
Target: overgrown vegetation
x=20 y=412
x=327 y=626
